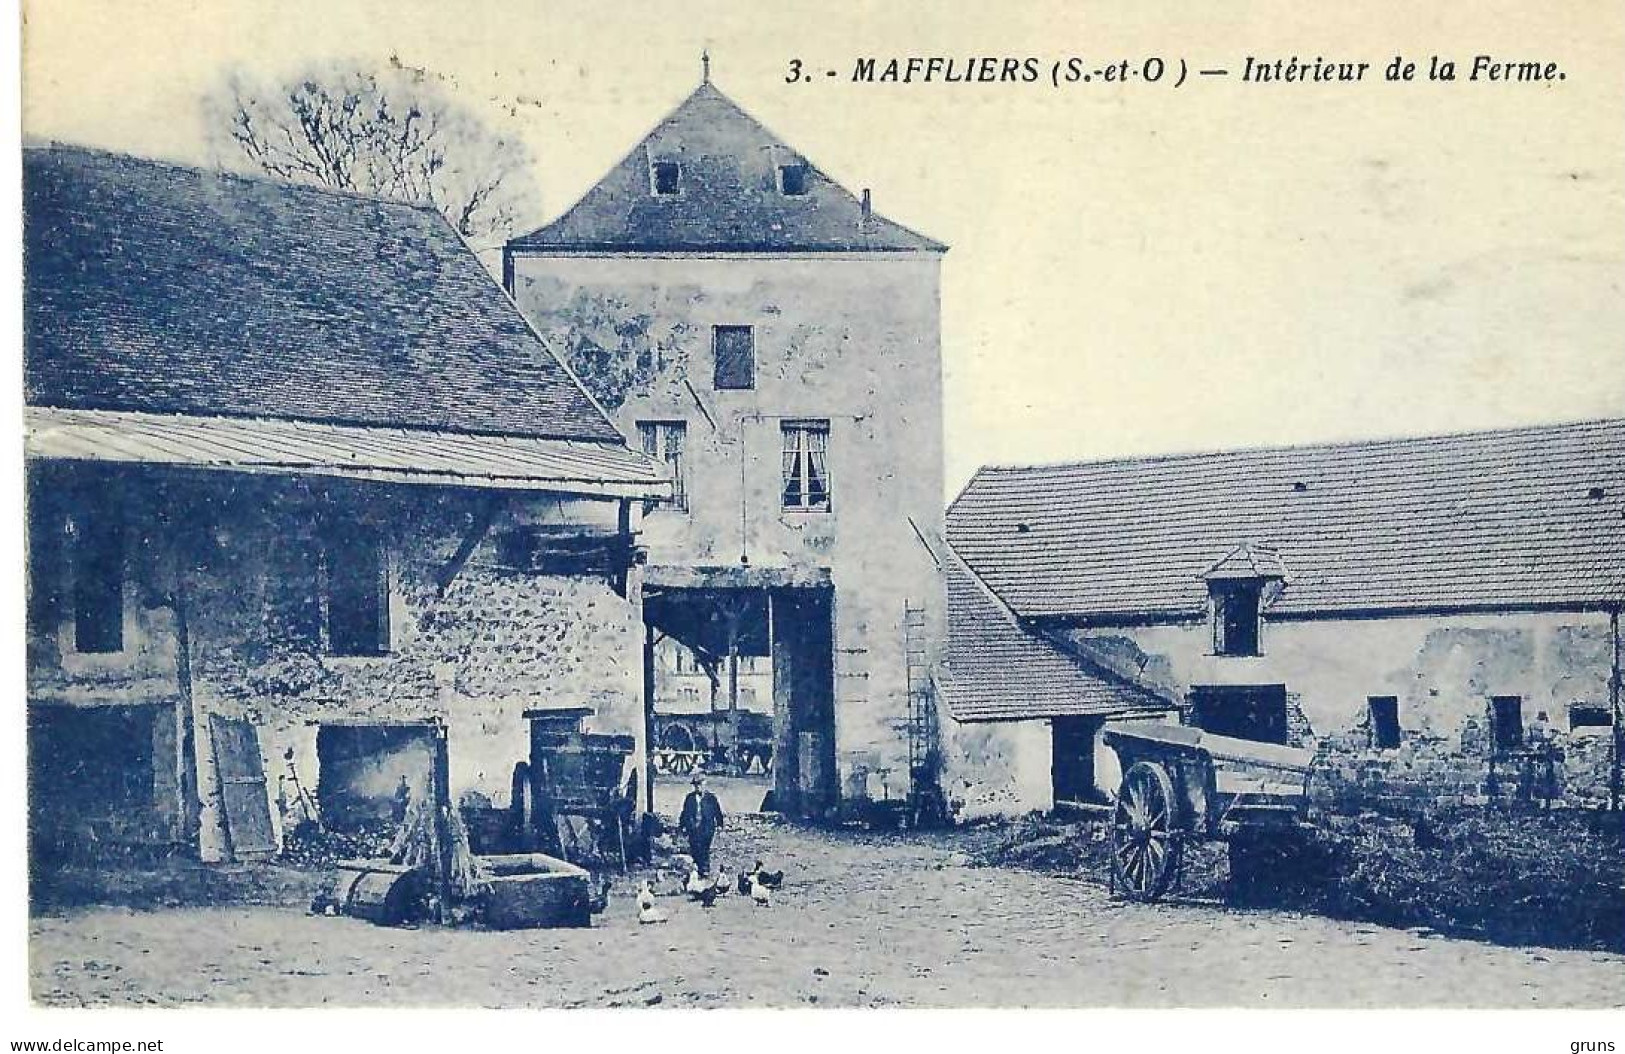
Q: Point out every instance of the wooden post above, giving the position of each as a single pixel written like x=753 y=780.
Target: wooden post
x=442 y=806
x=1614 y=762
x=186 y=784
x=648 y=717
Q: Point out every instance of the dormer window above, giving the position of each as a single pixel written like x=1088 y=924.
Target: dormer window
x=792 y=180
x=1236 y=617
x=667 y=177
x=1239 y=587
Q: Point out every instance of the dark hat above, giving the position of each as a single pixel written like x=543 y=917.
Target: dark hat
x=699 y=778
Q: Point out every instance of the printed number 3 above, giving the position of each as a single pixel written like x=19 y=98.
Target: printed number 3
x=795 y=72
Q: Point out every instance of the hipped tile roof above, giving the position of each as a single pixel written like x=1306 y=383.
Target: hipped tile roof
x=728 y=197
x=999 y=671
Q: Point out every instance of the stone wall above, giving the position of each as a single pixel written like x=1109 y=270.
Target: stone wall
x=849 y=338
x=497 y=642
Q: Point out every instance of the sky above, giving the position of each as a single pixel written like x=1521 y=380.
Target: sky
x=1134 y=268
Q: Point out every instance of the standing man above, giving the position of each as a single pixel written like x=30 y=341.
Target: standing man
x=701 y=819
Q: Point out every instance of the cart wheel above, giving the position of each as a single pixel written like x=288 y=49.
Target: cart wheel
x=1145 y=840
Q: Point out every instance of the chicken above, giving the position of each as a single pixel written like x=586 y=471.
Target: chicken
x=759 y=894
x=647 y=915
x=770 y=879
x=701 y=890
x=724 y=883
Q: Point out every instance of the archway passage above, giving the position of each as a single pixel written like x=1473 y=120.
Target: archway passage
x=739 y=684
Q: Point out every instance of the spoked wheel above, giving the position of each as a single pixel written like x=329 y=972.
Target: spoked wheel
x=1146 y=846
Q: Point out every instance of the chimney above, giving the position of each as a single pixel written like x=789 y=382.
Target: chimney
x=865 y=202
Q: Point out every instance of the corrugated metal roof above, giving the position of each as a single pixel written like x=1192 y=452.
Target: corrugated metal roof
x=306 y=447
x=998 y=671
x=1515 y=519
x=728 y=197
x=159 y=288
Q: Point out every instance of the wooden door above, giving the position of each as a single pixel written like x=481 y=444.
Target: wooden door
x=240 y=775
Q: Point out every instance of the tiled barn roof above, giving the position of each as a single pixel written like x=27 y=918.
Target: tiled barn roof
x=158 y=288
x=728 y=197
x=998 y=671
x=1514 y=519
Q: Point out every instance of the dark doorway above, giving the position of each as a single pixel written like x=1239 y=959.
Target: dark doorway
x=1072 y=759
x=1244 y=711
x=804 y=778
x=368 y=774
x=100 y=778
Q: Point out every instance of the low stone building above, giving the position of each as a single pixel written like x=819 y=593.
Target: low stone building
x=304 y=493
x=1440 y=616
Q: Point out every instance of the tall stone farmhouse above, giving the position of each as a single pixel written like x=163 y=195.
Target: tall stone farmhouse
x=775 y=341
x=291 y=457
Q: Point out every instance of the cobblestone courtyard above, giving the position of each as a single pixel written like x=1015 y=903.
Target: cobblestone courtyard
x=864 y=920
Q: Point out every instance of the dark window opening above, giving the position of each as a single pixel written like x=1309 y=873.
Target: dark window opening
x=806 y=466
x=667 y=177
x=793 y=180
x=1236 y=618
x=1384 y=711
x=98 y=583
x=664 y=441
x=357 y=594
x=1589 y=715
x=1246 y=711
x=735 y=351
x=1506 y=722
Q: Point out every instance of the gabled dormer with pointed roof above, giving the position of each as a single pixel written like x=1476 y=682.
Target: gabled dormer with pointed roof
x=711 y=178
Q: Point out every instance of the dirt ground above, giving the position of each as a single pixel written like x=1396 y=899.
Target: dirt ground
x=863 y=920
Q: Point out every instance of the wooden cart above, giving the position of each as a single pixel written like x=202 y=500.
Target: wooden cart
x=1182 y=784
x=582 y=797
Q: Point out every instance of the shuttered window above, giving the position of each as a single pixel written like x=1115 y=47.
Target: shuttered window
x=806 y=466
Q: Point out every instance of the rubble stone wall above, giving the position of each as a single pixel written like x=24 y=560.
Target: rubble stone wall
x=498 y=641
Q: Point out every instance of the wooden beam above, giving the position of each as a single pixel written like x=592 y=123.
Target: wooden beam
x=483 y=519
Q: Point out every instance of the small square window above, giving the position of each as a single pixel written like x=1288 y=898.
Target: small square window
x=667 y=177
x=792 y=180
x=806 y=466
x=1384 y=713
x=664 y=441
x=357 y=593
x=1506 y=722
x=735 y=351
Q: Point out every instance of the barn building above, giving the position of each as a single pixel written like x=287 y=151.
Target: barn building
x=304 y=495
x=1438 y=616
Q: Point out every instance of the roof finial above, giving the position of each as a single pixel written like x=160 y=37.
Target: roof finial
x=705 y=66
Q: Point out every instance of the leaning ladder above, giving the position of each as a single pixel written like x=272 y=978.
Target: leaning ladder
x=922 y=715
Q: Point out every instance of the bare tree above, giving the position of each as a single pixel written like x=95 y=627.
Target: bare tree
x=394 y=133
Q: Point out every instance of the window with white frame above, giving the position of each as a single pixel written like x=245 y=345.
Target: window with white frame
x=665 y=441
x=806 y=466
